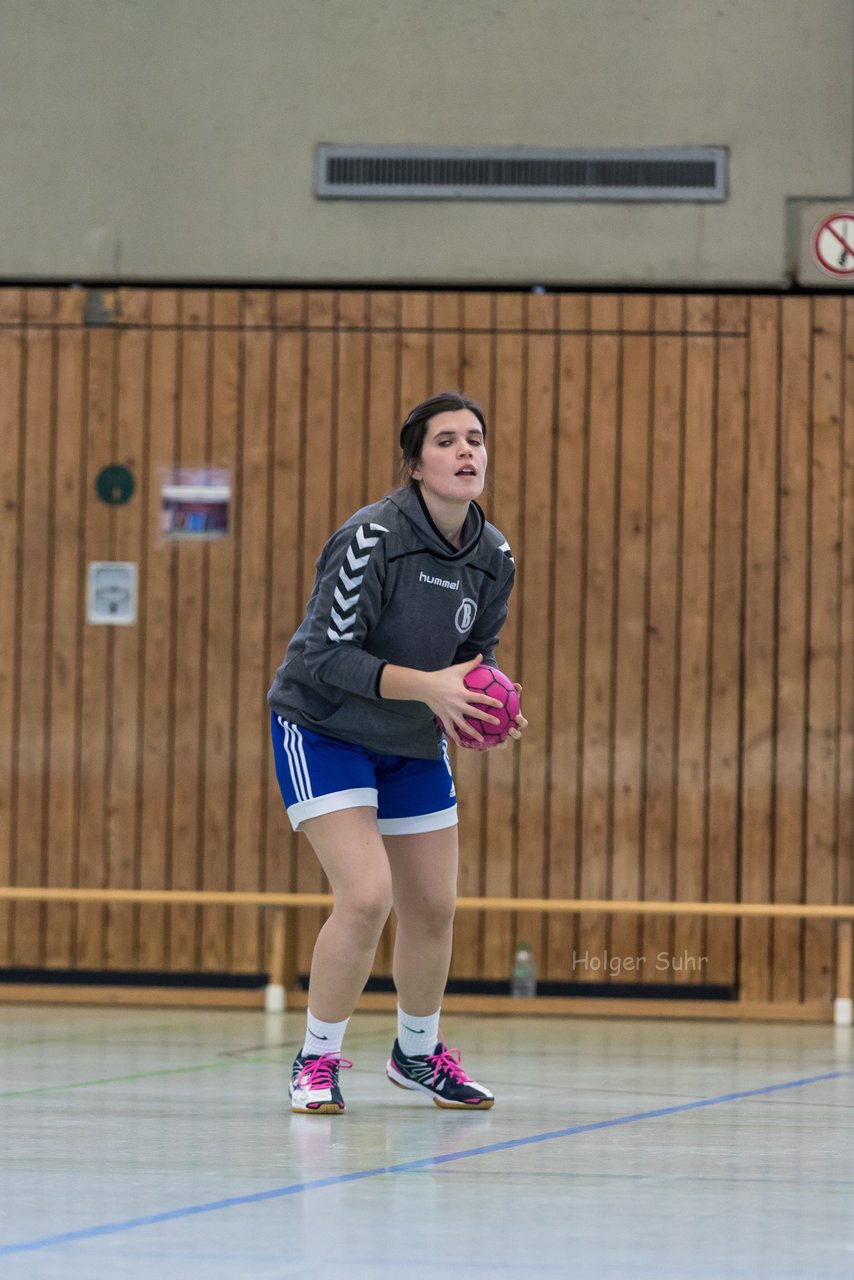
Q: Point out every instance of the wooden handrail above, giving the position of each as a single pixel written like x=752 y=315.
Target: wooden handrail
x=609 y=906
x=842 y=914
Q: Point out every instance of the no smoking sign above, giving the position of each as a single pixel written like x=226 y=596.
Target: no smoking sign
x=832 y=244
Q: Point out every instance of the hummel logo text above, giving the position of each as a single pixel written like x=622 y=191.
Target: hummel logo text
x=438 y=582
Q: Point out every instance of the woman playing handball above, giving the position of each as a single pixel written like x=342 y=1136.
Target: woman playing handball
x=410 y=595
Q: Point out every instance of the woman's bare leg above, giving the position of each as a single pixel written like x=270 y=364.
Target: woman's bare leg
x=351 y=852
x=424 y=888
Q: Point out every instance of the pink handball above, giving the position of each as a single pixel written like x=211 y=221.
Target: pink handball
x=494 y=684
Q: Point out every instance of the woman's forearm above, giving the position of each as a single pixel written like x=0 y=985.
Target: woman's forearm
x=404 y=684
x=445 y=692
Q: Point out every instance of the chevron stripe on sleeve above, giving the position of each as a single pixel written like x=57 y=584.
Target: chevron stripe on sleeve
x=350 y=578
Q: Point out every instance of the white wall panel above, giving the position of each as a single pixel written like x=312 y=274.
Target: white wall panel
x=172 y=139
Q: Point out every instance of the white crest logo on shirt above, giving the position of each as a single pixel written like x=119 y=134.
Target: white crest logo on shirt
x=465 y=615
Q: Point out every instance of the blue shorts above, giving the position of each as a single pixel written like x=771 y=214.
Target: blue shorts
x=319 y=775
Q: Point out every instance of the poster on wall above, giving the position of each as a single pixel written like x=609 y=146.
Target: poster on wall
x=112 y=595
x=196 y=503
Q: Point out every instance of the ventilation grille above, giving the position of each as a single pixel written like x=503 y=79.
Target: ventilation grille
x=519 y=173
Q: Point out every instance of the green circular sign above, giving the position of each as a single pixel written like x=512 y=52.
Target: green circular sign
x=114 y=485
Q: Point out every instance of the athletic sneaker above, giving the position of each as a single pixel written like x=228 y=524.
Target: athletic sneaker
x=439 y=1075
x=314 y=1084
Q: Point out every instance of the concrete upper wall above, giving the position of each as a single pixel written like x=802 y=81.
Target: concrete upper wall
x=172 y=139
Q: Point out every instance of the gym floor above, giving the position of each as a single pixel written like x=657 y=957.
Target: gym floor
x=159 y=1143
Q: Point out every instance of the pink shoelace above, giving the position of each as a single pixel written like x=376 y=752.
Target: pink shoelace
x=319 y=1072
x=445 y=1061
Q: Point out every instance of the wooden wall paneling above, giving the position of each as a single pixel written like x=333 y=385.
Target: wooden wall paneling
x=538 y=621
x=317 y=528
x=727 y=607
x=845 y=760
x=501 y=824
x=98 y=653
x=571 y=417
x=477 y=353
x=194 y=389
x=264 y=305
x=218 y=674
x=133 y=310
x=68 y=609
x=157 y=629
x=636 y=314
x=133 y=307
x=351 y=408
x=701 y=314
x=71 y=306
x=413 y=370
x=791 y=631
x=252 y=676
x=312 y=391
x=290 y=311
x=733 y=315
x=414 y=352
x=12 y=307
x=42 y=307
x=385 y=409
x=37 y=446
x=822 y=797
x=510 y=312
x=542 y=312
x=127 y=536
x=757 y=818
x=36 y=629
x=447 y=372
x=283 y=847
x=663 y=575
x=635 y=419
x=12 y=366
x=695 y=520
x=598 y=643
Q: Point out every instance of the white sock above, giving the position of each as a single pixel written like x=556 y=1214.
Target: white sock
x=417 y=1035
x=323 y=1037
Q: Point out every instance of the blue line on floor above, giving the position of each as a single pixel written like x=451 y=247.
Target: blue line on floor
x=131 y=1224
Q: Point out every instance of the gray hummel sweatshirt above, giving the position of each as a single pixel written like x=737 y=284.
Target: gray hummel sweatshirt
x=391 y=588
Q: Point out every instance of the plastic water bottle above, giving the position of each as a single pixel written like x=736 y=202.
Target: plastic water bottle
x=524 y=980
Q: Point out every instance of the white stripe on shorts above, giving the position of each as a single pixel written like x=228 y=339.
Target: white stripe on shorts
x=419 y=823
x=355 y=798
x=297 y=765
x=446 y=758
